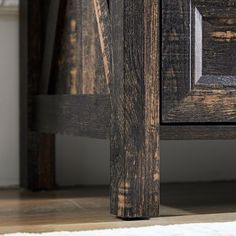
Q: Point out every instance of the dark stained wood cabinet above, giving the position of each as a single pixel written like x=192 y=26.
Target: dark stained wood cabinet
x=135 y=176
x=198 y=61
x=133 y=71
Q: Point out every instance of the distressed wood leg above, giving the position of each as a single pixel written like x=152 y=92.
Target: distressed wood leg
x=135 y=163
x=37 y=149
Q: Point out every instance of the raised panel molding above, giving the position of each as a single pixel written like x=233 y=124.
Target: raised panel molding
x=198 y=61
x=215 y=43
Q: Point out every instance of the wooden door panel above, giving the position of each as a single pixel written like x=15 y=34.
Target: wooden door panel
x=198 y=61
x=175 y=52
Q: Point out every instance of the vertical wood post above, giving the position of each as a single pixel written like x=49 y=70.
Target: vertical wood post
x=37 y=149
x=135 y=163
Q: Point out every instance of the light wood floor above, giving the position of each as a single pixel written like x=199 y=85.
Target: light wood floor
x=88 y=208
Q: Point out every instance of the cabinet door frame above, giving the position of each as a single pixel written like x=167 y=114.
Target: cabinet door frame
x=189 y=97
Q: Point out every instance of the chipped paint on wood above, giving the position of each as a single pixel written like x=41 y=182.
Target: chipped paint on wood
x=205 y=106
x=103 y=23
x=227 y=36
x=135 y=163
x=84 y=49
x=190 y=95
x=73 y=86
x=73 y=83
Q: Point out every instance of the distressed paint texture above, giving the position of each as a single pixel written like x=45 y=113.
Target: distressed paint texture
x=134 y=137
x=198 y=73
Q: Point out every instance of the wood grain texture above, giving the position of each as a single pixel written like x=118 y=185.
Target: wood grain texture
x=47 y=120
x=94 y=77
x=135 y=109
x=198 y=132
x=216 y=8
x=218 y=26
x=83 y=58
x=81 y=115
x=75 y=34
x=219 y=47
x=203 y=106
x=209 y=98
x=104 y=30
x=216 y=82
x=175 y=52
x=68 y=69
x=97 y=124
x=37 y=150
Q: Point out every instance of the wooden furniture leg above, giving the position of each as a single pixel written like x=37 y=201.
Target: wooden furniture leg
x=135 y=163
x=65 y=77
x=134 y=87
x=37 y=149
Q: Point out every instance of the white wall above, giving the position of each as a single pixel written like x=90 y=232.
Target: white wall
x=9 y=101
x=82 y=161
x=86 y=161
x=186 y=161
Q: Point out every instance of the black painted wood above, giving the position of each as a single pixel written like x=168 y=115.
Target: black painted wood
x=37 y=150
x=216 y=8
x=49 y=46
x=198 y=132
x=83 y=49
x=80 y=115
x=75 y=35
x=175 y=52
x=198 y=45
x=89 y=116
x=135 y=165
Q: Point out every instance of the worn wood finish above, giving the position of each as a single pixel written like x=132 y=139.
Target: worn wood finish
x=216 y=8
x=83 y=61
x=135 y=109
x=81 y=115
x=198 y=72
x=175 y=52
x=37 y=150
x=94 y=80
x=104 y=30
x=198 y=132
x=203 y=106
x=68 y=68
x=218 y=26
x=71 y=40
x=47 y=119
x=219 y=46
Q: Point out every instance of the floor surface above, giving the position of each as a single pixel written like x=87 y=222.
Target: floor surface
x=87 y=208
